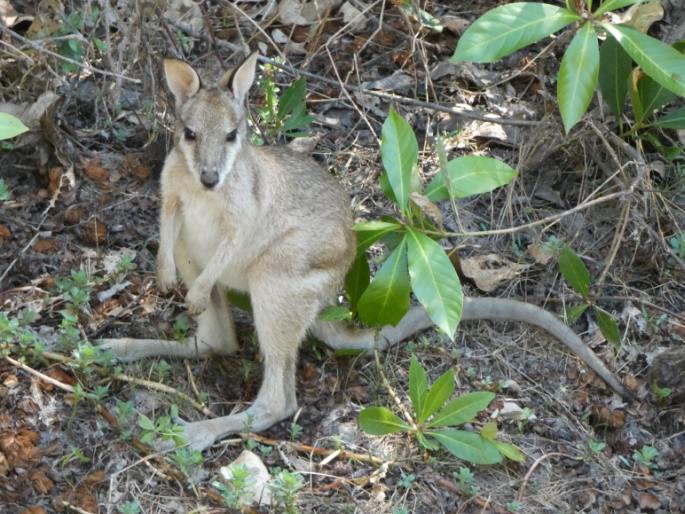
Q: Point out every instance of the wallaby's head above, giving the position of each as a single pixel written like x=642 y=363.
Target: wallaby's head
x=211 y=123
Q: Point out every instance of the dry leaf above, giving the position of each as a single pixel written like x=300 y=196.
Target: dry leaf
x=95 y=171
x=41 y=482
x=540 y=253
x=73 y=215
x=185 y=11
x=454 y=24
x=96 y=232
x=34 y=510
x=132 y=165
x=398 y=81
x=30 y=115
x=353 y=16
x=55 y=179
x=4 y=232
x=295 y=12
x=649 y=501
x=10 y=381
x=45 y=246
x=489 y=271
x=429 y=208
x=47 y=18
x=611 y=417
x=642 y=16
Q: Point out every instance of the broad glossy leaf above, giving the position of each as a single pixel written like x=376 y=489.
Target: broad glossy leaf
x=574 y=271
x=468 y=446
x=608 y=326
x=381 y=421
x=368 y=232
x=399 y=151
x=437 y=395
x=11 y=126
x=434 y=281
x=357 y=280
x=418 y=385
x=673 y=120
x=653 y=95
x=614 y=69
x=507 y=28
x=510 y=451
x=462 y=409
x=658 y=60
x=386 y=299
x=578 y=75
x=612 y=5
x=469 y=175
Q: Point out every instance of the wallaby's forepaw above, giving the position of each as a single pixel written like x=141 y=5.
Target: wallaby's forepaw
x=166 y=277
x=197 y=299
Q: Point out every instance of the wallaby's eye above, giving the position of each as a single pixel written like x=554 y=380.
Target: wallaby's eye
x=188 y=134
x=230 y=137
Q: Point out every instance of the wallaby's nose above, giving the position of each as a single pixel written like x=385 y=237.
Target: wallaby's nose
x=209 y=178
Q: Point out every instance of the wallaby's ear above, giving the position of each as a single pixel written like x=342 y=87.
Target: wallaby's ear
x=182 y=79
x=240 y=80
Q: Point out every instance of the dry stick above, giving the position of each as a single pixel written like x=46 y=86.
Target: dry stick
x=49 y=380
x=392 y=393
x=82 y=65
x=388 y=96
x=323 y=452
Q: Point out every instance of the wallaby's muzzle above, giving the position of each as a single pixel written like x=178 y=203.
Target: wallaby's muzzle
x=209 y=178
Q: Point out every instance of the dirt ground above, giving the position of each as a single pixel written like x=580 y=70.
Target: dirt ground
x=83 y=195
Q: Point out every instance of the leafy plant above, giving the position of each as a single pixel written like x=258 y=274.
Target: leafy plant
x=186 y=459
x=578 y=278
x=585 y=65
x=285 y=488
x=645 y=456
x=416 y=261
x=129 y=507
x=434 y=415
x=4 y=191
x=465 y=482
x=286 y=116
x=236 y=488
x=596 y=446
x=163 y=428
x=661 y=392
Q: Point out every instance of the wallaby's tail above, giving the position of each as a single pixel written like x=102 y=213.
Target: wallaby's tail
x=339 y=336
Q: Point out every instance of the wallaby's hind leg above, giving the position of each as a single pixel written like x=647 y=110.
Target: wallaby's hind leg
x=282 y=317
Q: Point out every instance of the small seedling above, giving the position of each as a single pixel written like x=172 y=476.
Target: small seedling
x=129 y=507
x=406 y=480
x=181 y=327
x=284 y=490
x=75 y=454
x=187 y=459
x=434 y=415
x=236 y=488
x=163 y=428
x=464 y=478
x=646 y=456
x=295 y=431
x=514 y=506
x=4 y=191
x=161 y=369
x=661 y=392
x=596 y=446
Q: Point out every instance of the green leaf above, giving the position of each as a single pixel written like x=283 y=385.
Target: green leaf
x=608 y=326
x=510 y=451
x=10 y=126
x=462 y=409
x=653 y=95
x=145 y=423
x=578 y=75
x=673 y=120
x=614 y=69
x=418 y=385
x=468 y=446
x=434 y=281
x=658 y=60
x=427 y=443
x=574 y=312
x=386 y=299
x=507 y=28
x=489 y=430
x=335 y=313
x=357 y=280
x=381 y=421
x=399 y=151
x=469 y=175
x=368 y=232
x=612 y=5
x=293 y=96
x=574 y=271
x=437 y=395
x=239 y=299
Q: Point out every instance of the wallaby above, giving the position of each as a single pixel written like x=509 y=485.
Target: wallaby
x=272 y=223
